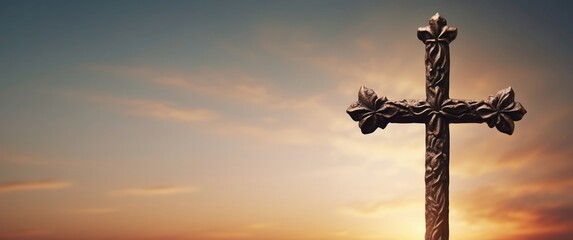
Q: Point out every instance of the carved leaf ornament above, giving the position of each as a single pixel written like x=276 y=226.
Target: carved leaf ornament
x=370 y=111
x=502 y=110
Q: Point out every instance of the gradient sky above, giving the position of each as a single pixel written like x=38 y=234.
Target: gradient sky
x=226 y=120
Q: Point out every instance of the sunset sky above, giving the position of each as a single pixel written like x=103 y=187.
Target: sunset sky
x=200 y=120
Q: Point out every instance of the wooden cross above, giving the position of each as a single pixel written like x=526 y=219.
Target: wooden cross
x=437 y=112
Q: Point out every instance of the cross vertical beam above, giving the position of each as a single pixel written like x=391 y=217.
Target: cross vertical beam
x=437 y=37
x=436 y=112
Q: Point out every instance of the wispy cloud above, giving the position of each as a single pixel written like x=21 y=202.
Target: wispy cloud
x=363 y=208
x=11 y=157
x=272 y=127
x=235 y=85
x=16 y=157
x=365 y=60
x=216 y=83
x=32 y=185
x=92 y=211
x=230 y=85
x=517 y=214
x=226 y=235
x=259 y=226
x=158 y=109
x=155 y=190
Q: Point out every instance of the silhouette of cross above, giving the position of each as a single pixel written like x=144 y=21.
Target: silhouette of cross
x=437 y=111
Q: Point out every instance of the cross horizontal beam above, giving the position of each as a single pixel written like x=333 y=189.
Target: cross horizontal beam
x=499 y=110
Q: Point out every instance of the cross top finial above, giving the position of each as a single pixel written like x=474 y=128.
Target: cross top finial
x=437 y=30
x=438 y=20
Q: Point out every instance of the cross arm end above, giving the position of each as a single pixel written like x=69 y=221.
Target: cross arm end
x=499 y=110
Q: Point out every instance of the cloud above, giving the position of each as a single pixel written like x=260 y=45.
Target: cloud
x=92 y=211
x=259 y=226
x=223 y=84
x=520 y=191
x=214 y=83
x=28 y=158
x=12 y=157
x=32 y=185
x=235 y=85
x=362 y=208
x=306 y=114
x=553 y=235
x=226 y=235
x=158 y=109
x=156 y=190
x=367 y=59
x=516 y=212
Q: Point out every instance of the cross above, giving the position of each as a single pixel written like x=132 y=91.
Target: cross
x=437 y=112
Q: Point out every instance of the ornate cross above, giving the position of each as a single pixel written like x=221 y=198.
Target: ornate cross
x=437 y=112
